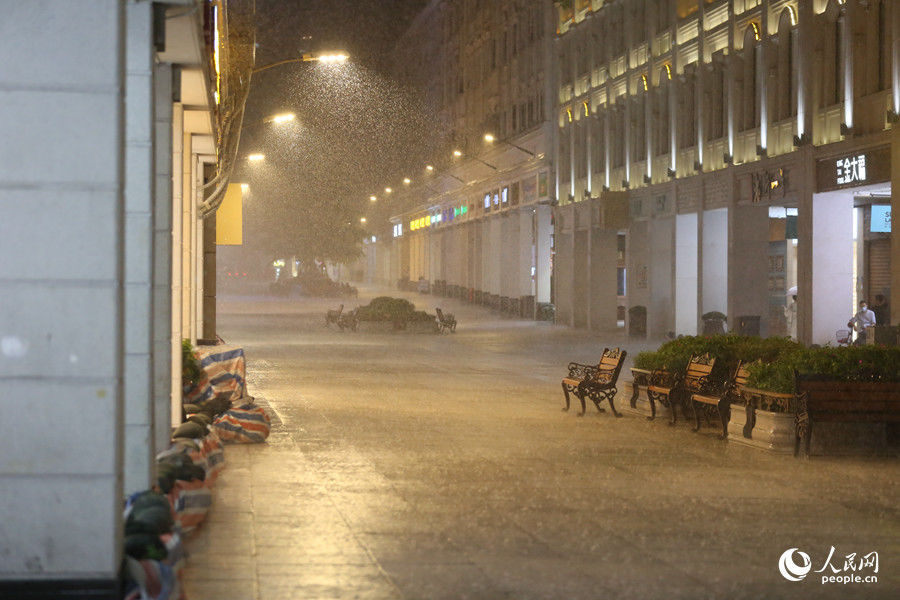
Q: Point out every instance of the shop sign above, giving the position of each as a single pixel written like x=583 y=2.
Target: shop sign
x=543 y=184
x=766 y=185
x=851 y=170
x=529 y=189
x=858 y=168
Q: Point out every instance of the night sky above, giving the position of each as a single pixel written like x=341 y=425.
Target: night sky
x=357 y=129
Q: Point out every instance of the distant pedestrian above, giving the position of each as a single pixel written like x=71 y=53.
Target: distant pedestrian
x=790 y=316
x=862 y=319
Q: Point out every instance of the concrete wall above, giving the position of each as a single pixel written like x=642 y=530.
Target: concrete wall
x=748 y=274
x=603 y=298
x=62 y=335
x=661 y=304
x=832 y=264
x=686 y=280
x=714 y=274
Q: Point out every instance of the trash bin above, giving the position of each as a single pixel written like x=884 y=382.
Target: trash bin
x=748 y=325
x=713 y=323
x=637 y=322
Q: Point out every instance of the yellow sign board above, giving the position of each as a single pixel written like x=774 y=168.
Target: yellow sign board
x=229 y=224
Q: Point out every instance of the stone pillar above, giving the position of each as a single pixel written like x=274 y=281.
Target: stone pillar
x=62 y=326
x=140 y=453
x=178 y=139
x=895 y=224
x=161 y=324
x=543 y=231
x=602 y=298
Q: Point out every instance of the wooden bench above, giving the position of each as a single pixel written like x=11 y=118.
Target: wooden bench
x=666 y=388
x=842 y=401
x=719 y=400
x=445 y=322
x=333 y=316
x=597 y=382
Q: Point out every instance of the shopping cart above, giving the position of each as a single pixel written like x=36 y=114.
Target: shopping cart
x=842 y=336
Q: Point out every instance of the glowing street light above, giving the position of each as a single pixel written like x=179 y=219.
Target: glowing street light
x=256 y=157
x=429 y=168
x=334 y=57
x=337 y=57
x=489 y=138
x=373 y=198
x=284 y=118
x=245 y=187
x=406 y=181
x=362 y=219
x=388 y=190
x=457 y=153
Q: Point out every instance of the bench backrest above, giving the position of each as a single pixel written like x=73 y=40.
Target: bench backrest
x=610 y=365
x=698 y=371
x=859 y=401
x=741 y=375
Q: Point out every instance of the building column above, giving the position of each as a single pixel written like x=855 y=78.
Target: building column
x=161 y=326
x=178 y=141
x=140 y=452
x=543 y=232
x=62 y=327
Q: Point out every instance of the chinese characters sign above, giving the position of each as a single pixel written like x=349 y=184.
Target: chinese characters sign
x=851 y=170
x=859 y=168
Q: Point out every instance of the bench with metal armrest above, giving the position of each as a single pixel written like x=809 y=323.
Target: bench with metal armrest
x=597 y=382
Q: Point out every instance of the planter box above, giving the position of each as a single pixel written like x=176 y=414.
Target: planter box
x=641 y=403
x=772 y=431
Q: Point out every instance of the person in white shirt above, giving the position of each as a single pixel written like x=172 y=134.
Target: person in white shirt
x=862 y=319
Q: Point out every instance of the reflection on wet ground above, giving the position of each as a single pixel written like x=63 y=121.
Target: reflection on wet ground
x=425 y=466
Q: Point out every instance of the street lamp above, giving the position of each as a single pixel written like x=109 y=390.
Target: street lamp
x=429 y=168
x=362 y=219
x=373 y=198
x=284 y=118
x=407 y=181
x=490 y=139
x=256 y=157
x=388 y=190
x=328 y=58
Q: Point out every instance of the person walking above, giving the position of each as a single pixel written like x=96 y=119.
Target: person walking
x=862 y=319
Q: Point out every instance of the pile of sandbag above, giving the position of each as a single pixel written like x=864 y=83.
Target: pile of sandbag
x=238 y=420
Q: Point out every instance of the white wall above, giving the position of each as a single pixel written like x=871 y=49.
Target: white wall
x=543 y=231
x=661 y=307
x=61 y=326
x=715 y=261
x=686 y=257
x=832 y=266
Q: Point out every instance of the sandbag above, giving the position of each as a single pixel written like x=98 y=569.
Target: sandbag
x=247 y=424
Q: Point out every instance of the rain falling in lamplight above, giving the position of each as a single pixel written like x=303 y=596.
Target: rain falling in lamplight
x=284 y=118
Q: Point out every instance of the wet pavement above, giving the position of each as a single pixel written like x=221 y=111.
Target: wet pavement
x=416 y=466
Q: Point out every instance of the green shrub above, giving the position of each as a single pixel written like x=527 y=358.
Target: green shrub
x=190 y=366
x=393 y=310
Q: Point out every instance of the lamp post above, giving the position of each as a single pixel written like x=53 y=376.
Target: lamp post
x=328 y=58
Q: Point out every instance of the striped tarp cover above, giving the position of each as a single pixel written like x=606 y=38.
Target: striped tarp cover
x=247 y=423
x=191 y=500
x=224 y=371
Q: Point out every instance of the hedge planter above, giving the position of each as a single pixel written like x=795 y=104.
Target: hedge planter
x=770 y=424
